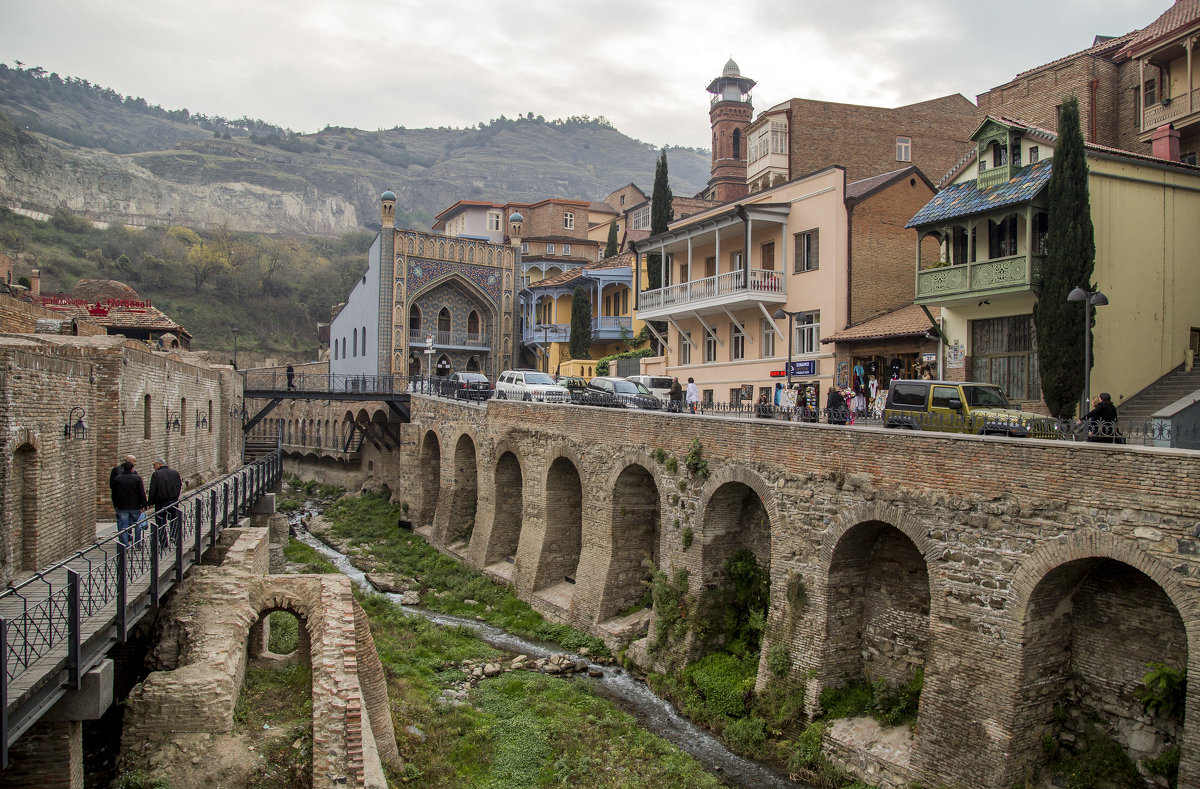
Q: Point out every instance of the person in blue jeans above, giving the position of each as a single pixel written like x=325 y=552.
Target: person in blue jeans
x=129 y=499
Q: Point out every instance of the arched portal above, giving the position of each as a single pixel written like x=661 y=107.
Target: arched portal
x=506 y=520
x=463 y=504
x=443 y=366
x=431 y=477
x=25 y=504
x=635 y=540
x=736 y=534
x=564 y=531
x=1093 y=627
x=877 y=626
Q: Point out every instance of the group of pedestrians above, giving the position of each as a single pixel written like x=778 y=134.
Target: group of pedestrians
x=679 y=395
x=130 y=499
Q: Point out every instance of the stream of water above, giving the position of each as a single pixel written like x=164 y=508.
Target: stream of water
x=615 y=684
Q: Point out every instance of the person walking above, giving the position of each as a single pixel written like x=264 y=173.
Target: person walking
x=693 y=395
x=676 y=396
x=835 y=407
x=165 y=486
x=1102 y=420
x=112 y=475
x=129 y=499
x=291 y=377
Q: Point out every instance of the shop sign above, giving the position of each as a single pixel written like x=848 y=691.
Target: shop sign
x=803 y=368
x=929 y=357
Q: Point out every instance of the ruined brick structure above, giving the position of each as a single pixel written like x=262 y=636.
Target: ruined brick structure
x=1018 y=577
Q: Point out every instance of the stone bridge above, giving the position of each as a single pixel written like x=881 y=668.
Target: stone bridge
x=1031 y=581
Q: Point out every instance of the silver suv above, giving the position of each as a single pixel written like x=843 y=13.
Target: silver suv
x=530 y=385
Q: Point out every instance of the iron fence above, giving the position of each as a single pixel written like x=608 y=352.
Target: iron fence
x=279 y=381
x=46 y=620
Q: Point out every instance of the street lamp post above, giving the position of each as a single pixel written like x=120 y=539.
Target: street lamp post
x=545 y=327
x=1090 y=299
x=780 y=314
x=429 y=364
x=236 y=332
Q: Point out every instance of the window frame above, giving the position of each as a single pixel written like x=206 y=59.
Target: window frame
x=903 y=149
x=685 y=347
x=808 y=251
x=493 y=220
x=737 y=343
x=807 y=328
x=768 y=338
x=710 y=347
x=568 y=220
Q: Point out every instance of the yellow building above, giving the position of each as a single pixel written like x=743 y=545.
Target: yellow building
x=987 y=230
x=547 y=305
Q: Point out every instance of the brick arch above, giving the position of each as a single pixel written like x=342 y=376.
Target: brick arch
x=260 y=631
x=633 y=526
x=430 y=457
x=561 y=550
x=1072 y=591
x=508 y=482
x=912 y=527
x=464 y=482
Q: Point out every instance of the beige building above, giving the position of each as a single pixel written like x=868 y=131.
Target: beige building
x=986 y=231
x=827 y=252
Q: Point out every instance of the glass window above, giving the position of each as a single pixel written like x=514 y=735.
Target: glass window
x=568 y=221
x=808 y=249
x=1004 y=353
x=685 y=347
x=710 y=347
x=768 y=338
x=550 y=249
x=779 y=132
x=640 y=218
x=767 y=260
x=566 y=249
x=942 y=395
x=1002 y=237
x=909 y=394
x=808 y=332
x=904 y=149
x=710 y=267
x=1033 y=154
x=493 y=220
x=738 y=338
x=524 y=247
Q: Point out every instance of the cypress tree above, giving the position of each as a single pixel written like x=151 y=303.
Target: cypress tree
x=1070 y=259
x=660 y=217
x=610 y=248
x=580 y=343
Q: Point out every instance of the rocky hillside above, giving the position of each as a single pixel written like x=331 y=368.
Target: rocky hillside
x=117 y=159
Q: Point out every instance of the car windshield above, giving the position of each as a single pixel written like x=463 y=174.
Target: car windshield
x=629 y=388
x=471 y=376
x=538 y=378
x=985 y=397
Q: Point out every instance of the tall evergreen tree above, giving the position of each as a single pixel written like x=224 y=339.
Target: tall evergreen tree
x=580 y=343
x=1070 y=258
x=660 y=217
x=610 y=248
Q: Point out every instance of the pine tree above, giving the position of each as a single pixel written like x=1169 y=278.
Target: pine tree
x=1070 y=259
x=660 y=216
x=580 y=343
x=610 y=248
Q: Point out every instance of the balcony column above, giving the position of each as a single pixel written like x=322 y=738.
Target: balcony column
x=1029 y=243
x=637 y=276
x=1141 y=94
x=1189 y=43
x=689 y=264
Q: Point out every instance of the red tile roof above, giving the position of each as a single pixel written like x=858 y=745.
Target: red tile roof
x=1182 y=14
x=910 y=321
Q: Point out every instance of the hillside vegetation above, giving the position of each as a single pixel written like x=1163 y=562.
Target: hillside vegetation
x=274 y=290
x=120 y=159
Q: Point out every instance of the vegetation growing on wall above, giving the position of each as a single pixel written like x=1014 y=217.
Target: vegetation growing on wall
x=602 y=364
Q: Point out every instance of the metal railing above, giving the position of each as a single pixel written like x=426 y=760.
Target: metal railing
x=58 y=624
x=277 y=381
x=457 y=338
x=762 y=282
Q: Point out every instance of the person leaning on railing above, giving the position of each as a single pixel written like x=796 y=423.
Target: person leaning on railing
x=1102 y=420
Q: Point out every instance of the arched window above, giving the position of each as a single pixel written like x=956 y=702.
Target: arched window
x=737 y=143
x=354 y=345
x=364 y=339
x=182 y=416
x=146 y=417
x=444 y=320
x=210 y=419
x=414 y=321
x=343 y=347
x=473 y=323
x=335 y=350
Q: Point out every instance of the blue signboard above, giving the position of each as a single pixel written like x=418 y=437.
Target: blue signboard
x=803 y=368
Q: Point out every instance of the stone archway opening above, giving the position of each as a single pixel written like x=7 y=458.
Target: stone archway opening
x=1095 y=630
x=431 y=478
x=559 y=562
x=877 y=622
x=280 y=636
x=506 y=518
x=636 y=525
x=465 y=500
x=734 y=590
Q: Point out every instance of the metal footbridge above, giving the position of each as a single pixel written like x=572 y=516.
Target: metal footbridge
x=60 y=623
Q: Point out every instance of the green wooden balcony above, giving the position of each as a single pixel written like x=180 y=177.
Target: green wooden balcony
x=981 y=279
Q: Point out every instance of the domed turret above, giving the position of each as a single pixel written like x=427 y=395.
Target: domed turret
x=731 y=69
x=387 y=209
x=729 y=113
x=390 y=195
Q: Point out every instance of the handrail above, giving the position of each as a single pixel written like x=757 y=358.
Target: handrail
x=108 y=580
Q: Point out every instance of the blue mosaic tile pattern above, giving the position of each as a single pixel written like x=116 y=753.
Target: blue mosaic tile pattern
x=422 y=272
x=966 y=198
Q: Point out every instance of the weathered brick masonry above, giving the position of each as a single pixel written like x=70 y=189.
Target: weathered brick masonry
x=1021 y=575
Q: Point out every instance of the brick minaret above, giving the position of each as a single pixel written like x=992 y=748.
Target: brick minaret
x=730 y=113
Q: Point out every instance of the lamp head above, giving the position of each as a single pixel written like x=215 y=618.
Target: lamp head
x=1098 y=299
x=780 y=314
x=1078 y=294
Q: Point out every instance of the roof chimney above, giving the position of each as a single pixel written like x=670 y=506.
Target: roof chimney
x=1164 y=143
x=35 y=275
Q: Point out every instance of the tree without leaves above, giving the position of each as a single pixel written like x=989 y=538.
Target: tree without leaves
x=1070 y=259
x=581 y=325
x=610 y=248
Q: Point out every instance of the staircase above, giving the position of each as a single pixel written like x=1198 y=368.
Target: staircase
x=257 y=446
x=1166 y=390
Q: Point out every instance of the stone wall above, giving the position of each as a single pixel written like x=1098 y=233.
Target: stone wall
x=938 y=552
x=21 y=317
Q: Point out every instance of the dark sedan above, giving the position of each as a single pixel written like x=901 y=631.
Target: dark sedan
x=468 y=386
x=630 y=393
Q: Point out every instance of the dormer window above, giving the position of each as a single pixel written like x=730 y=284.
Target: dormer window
x=999 y=155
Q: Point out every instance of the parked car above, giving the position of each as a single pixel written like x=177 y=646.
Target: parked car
x=573 y=383
x=631 y=393
x=530 y=385
x=659 y=385
x=468 y=386
x=961 y=407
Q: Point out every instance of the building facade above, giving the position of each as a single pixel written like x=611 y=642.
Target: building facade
x=429 y=303
x=986 y=235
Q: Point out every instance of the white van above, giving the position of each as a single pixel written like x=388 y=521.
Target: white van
x=659 y=385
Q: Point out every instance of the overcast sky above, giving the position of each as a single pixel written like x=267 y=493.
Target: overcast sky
x=643 y=64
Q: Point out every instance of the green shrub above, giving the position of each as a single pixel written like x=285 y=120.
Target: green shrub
x=889 y=706
x=1164 y=691
x=747 y=736
x=1099 y=760
x=688 y=536
x=670 y=606
x=1165 y=764
x=779 y=661
x=694 y=460
x=285 y=633
x=724 y=682
x=807 y=753
x=672 y=464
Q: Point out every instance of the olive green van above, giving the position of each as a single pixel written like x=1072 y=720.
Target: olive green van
x=961 y=407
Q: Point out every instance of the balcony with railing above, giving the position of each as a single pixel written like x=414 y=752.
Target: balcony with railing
x=730 y=289
x=451 y=339
x=980 y=279
x=1171 y=110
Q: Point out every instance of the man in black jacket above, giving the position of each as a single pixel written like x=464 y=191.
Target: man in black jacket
x=165 y=485
x=129 y=499
x=1102 y=420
